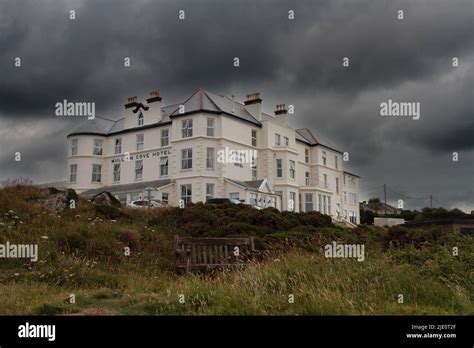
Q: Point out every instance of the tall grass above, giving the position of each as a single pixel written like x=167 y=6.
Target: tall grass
x=82 y=253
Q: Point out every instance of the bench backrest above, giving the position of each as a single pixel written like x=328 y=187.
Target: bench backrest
x=205 y=253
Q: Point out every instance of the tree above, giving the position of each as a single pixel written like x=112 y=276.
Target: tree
x=374 y=200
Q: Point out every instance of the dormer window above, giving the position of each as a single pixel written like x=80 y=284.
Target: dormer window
x=141 y=119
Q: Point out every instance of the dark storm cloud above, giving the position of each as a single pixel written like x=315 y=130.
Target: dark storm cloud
x=297 y=62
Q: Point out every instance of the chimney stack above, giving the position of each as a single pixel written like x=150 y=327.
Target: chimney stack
x=253 y=104
x=131 y=102
x=154 y=105
x=281 y=114
x=130 y=114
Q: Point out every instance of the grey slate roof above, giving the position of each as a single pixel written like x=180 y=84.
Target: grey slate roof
x=254 y=183
x=200 y=100
x=115 y=189
x=305 y=135
x=251 y=185
x=203 y=100
x=100 y=125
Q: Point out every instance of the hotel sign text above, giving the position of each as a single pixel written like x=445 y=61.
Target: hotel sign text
x=141 y=156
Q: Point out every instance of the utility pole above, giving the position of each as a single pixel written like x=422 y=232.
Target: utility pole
x=385 y=195
x=431 y=201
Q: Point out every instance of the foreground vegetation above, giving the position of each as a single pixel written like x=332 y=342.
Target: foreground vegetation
x=81 y=252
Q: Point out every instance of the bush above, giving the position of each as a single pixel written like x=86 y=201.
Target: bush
x=130 y=238
x=110 y=212
x=71 y=242
x=196 y=229
x=49 y=309
x=399 y=236
x=315 y=219
x=240 y=228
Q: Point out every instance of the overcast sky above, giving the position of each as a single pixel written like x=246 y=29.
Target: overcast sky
x=288 y=61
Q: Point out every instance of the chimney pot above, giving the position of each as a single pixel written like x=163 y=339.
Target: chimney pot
x=252 y=98
x=280 y=109
x=131 y=102
x=154 y=97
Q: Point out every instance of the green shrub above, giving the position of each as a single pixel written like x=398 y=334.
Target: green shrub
x=399 y=236
x=110 y=212
x=49 y=309
x=315 y=219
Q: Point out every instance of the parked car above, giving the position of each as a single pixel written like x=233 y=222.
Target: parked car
x=223 y=201
x=231 y=201
x=144 y=203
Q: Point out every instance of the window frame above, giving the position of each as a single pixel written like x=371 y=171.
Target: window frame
x=140 y=119
x=233 y=194
x=140 y=144
x=163 y=166
x=188 y=159
x=187 y=195
x=98 y=150
x=119 y=146
x=292 y=169
x=254 y=168
x=167 y=142
x=308 y=202
x=277 y=139
x=73 y=173
x=293 y=197
x=210 y=195
x=96 y=173
x=74 y=146
x=210 y=129
x=254 y=138
x=140 y=169
x=210 y=158
x=279 y=169
x=187 y=131
x=114 y=171
x=253 y=199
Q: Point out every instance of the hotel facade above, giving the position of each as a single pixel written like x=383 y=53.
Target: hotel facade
x=211 y=146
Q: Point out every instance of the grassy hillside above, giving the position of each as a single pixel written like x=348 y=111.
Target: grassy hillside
x=81 y=252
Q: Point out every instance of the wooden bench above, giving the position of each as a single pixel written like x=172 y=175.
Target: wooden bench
x=207 y=253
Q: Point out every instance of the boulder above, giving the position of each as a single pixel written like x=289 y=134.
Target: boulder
x=58 y=200
x=106 y=198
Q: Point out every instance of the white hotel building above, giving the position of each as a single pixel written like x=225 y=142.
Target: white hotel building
x=172 y=153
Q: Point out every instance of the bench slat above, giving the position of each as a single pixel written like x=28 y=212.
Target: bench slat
x=206 y=253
